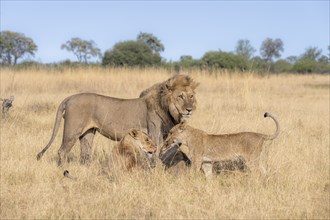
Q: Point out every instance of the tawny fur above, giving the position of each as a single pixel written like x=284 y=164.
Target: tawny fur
x=156 y=114
x=205 y=147
x=135 y=150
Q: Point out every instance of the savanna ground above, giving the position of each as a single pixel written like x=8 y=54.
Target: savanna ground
x=297 y=185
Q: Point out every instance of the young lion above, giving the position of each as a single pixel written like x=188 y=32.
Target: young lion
x=135 y=149
x=203 y=149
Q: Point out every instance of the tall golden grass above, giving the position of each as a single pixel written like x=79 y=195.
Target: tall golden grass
x=297 y=184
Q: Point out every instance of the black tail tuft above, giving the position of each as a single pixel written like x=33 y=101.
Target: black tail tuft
x=266 y=114
x=66 y=173
x=39 y=156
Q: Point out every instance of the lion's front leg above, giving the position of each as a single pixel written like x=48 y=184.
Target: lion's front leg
x=155 y=129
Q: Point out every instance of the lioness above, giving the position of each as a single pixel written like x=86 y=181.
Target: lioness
x=156 y=114
x=135 y=149
x=203 y=149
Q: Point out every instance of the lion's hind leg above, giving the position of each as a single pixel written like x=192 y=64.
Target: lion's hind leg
x=207 y=167
x=67 y=144
x=86 y=142
x=210 y=167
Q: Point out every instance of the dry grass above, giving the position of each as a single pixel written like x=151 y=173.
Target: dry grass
x=298 y=161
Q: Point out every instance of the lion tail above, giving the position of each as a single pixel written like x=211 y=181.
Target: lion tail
x=271 y=137
x=58 y=119
x=67 y=174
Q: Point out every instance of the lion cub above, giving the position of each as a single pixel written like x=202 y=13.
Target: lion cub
x=135 y=149
x=239 y=150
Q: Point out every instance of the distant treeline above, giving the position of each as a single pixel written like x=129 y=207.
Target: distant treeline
x=146 y=49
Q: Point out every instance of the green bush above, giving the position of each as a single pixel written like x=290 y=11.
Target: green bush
x=28 y=65
x=323 y=65
x=131 y=53
x=224 y=60
x=258 y=64
x=187 y=62
x=305 y=66
x=281 y=66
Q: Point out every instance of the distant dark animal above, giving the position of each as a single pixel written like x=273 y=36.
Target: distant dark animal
x=7 y=104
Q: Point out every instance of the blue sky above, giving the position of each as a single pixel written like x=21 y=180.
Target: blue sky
x=184 y=27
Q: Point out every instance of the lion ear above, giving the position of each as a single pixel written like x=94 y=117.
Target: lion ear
x=194 y=85
x=133 y=132
x=167 y=87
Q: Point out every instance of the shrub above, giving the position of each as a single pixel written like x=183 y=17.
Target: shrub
x=281 y=66
x=258 y=64
x=305 y=66
x=131 y=53
x=224 y=60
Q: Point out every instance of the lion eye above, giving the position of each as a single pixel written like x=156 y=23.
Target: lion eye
x=192 y=96
x=181 y=96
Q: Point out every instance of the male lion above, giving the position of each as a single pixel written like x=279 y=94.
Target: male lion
x=238 y=150
x=156 y=114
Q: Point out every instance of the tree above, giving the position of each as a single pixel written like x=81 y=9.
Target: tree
x=323 y=59
x=312 y=53
x=245 y=49
x=14 y=46
x=292 y=59
x=271 y=48
x=82 y=49
x=151 y=41
x=312 y=61
x=131 y=53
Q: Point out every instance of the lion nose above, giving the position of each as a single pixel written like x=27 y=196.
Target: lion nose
x=189 y=109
